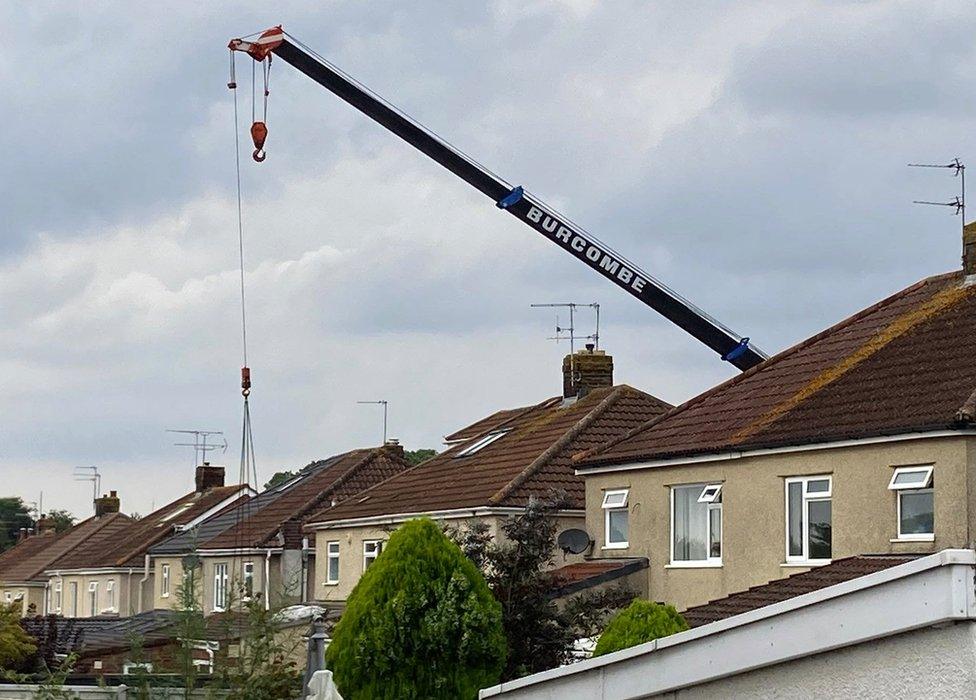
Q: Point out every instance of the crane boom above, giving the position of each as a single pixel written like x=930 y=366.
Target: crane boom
x=515 y=200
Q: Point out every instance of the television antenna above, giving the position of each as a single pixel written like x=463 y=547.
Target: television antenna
x=384 y=404
x=569 y=332
x=90 y=474
x=958 y=203
x=200 y=445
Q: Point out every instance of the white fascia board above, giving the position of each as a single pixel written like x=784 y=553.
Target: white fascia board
x=89 y=572
x=741 y=454
x=454 y=514
x=924 y=592
x=23 y=584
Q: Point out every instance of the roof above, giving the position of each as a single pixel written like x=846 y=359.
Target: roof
x=155 y=527
x=284 y=508
x=582 y=575
x=533 y=457
x=783 y=589
x=875 y=605
x=903 y=365
x=103 y=633
x=28 y=560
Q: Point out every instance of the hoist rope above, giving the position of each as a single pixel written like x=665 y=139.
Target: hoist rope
x=240 y=220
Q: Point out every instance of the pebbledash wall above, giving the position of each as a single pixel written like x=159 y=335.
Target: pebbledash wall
x=351 y=541
x=863 y=521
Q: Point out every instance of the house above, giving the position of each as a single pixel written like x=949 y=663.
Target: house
x=865 y=626
x=859 y=439
x=257 y=548
x=22 y=567
x=115 y=577
x=489 y=471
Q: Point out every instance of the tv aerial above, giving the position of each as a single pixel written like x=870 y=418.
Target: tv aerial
x=958 y=203
x=204 y=441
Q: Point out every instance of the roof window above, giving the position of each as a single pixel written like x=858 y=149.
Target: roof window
x=482 y=442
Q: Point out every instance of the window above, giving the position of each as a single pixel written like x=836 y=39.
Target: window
x=179 y=511
x=482 y=442
x=615 y=518
x=93 y=597
x=332 y=562
x=57 y=596
x=916 y=502
x=164 y=581
x=220 y=587
x=110 y=595
x=371 y=550
x=247 y=585
x=73 y=591
x=808 y=519
x=696 y=525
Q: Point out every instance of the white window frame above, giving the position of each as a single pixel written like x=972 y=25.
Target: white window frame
x=220 y=579
x=110 y=595
x=806 y=499
x=93 y=597
x=332 y=554
x=483 y=442
x=370 y=557
x=58 y=593
x=73 y=587
x=247 y=580
x=924 y=483
x=164 y=581
x=709 y=562
x=710 y=494
x=613 y=503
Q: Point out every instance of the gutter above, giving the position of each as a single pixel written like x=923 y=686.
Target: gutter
x=267 y=581
x=452 y=514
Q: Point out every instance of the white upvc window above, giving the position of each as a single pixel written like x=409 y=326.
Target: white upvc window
x=247 y=585
x=808 y=519
x=332 y=563
x=220 y=587
x=110 y=595
x=696 y=525
x=164 y=581
x=57 y=596
x=73 y=594
x=482 y=442
x=93 y=597
x=371 y=550
x=615 y=519
x=915 y=492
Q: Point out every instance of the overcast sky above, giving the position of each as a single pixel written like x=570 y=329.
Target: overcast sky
x=751 y=155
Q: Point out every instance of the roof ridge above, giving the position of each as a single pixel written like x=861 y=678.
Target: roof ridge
x=775 y=359
x=559 y=445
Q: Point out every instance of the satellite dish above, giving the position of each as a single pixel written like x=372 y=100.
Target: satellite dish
x=573 y=541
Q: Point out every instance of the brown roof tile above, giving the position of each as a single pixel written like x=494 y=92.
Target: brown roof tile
x=798 y=584
x=534 y=457
x=902 y=365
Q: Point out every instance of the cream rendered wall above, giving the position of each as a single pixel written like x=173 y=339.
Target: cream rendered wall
x=126 y=584
x=754 y=521
x=351 y=552
x=161 y=601
x=29 y=595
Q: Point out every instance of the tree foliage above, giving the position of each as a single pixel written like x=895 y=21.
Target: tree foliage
x=642 y=621
x=418 y=456
x=421 y=623
x=279 y=478
x=518 y=568
x=14 y=516
x=16 y=646
x=63 y=520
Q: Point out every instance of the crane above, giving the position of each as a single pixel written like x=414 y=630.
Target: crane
x=515 y=200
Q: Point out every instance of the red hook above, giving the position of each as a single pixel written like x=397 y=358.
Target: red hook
x=259 y=132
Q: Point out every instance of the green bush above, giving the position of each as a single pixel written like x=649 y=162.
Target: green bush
x=421 y=623
x=643 y=621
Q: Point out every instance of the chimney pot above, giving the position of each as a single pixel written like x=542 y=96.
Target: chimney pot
x=107 y=504
x=586 y=370
x=208 y=477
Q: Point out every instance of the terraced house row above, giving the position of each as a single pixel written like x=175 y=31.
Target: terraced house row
x=860 y=440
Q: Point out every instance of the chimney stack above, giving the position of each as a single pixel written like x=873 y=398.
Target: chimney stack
x=393 y=446
x=586 y=370
x=969 y=248
x=208 y=477
x=45 y=525
x=107 y=504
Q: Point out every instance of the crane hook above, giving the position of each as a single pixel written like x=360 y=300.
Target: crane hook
x=259 y=132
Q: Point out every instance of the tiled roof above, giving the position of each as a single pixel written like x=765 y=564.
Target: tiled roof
x=579 y=576
x=532 y=458
x=160 y=524
x=27 y=562
x=783 y=589
x=285 y=507
x=902 y=365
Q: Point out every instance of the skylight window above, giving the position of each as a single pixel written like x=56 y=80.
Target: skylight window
x=482 y=442
x=182 y=509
